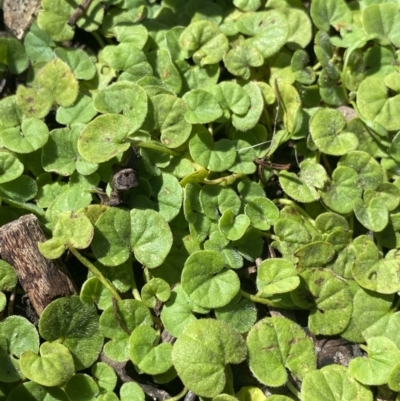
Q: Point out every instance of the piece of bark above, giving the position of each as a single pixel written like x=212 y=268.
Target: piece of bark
x=43 y=280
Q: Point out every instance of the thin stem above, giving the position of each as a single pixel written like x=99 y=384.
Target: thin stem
x=327 y=164
x=100 y=41
x=97 y=273
x=293 y=389
x=153 y=146
x=263 y=301
x=317 y=66
x=228 y=179
x=179 y=396
x=288 y=202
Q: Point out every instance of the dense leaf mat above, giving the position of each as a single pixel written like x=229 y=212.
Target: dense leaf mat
x=229 y=173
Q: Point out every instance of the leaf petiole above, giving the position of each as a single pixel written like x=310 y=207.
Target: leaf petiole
x=97 y=273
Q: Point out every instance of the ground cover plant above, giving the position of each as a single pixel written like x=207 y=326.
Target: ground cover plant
x=222 y=178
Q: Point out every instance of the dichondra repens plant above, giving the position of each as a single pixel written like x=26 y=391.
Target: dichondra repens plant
x=265 y=140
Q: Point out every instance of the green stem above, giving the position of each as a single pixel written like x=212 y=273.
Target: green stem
x=260 y=300
x=288 y=202
x=317 y=66
x=179 y=396
x=153 y=146
x=100 y=41
x=293 y=390
x=327 y=164
x=97 y=273
x=228 y=179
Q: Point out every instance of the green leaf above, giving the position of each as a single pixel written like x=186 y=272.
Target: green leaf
x=207 y=282
x=329 y=299
x=327 y=13
x=81 y=387
x=383 y=22
x=333 y=383
x=340 y=194
x=115 y=320
x=63 y=142
x=268 y=30
x=17 y=335
x=231 y=96
x=10 y=113
x=155 y=289
x=276 y=276
x=375 y=103
x=382 y=357
x=131 y=391
x=164 y=69
x=296 y=188
x=76 y=326
x=104 y=375
x=328 y=133
x=110 y=243
x=206 y=41
x=82 y=111
x=203 y=107
x=168 y=194
x=72 y=230
x=169 y=112
x=262 y=212
x=60 y=82
x=53 y=367
x=280 y=344
x=242 y=58
x=16 y=58
x=314 y=254
x=373 y=215
x=377 y=274
x=31 y=391
x=53 y=19
x=10 y=167
x=250 y=119
x=200 y=355
x=147 y=357
x=215 y=156
x=151 y=237
x=104 y=137
x=233 y=227
x=177 y=312
x=371 y=313
x=38 y=45
x=8 y=277
x=240 y=313
x=78 y=60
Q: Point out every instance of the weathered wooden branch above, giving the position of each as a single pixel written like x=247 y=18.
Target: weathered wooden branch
x=43 y=280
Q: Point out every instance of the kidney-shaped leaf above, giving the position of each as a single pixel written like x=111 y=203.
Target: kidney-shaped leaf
x=333 y=383
x=383 y=355
x=53 y=367
x=331 y=307
x=76 y=326
x=276 y=276
x=148 y=358
x=104 y=137
x=151 y=237
x=268 y=30
x=110 y=243
x=214 y=156
x=17 y=335
x=262 y=213
x=203 y=107
x=201 y=353
x=206 y=280
x=328 y=133
x=279 y=344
